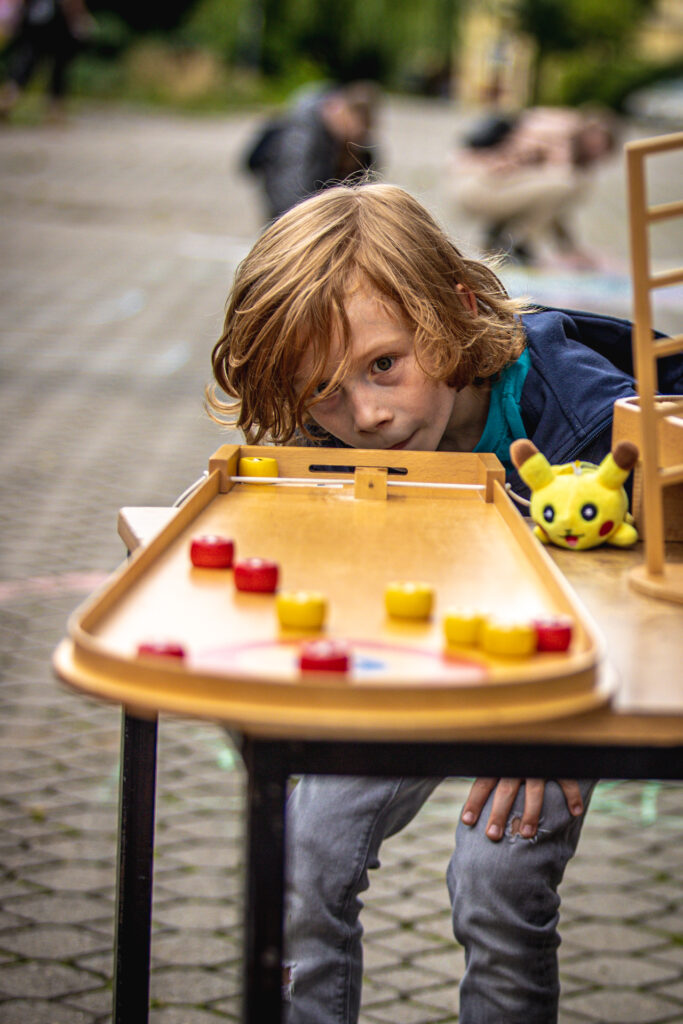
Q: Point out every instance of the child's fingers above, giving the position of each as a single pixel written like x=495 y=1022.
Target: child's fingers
x=505 y=792
x=503 y=799
x=533 y=802
x=572 y=794
x=476 y=798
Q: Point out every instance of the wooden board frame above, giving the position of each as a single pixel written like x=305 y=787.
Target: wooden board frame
x=627 y=426
x=515 y=691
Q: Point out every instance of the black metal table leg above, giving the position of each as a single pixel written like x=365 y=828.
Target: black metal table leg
x=269 y=763
x=266 y=795
x=134 y=885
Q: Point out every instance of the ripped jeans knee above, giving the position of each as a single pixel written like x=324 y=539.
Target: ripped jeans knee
x=505 y=902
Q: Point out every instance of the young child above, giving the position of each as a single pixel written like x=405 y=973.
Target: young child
x=354 y=321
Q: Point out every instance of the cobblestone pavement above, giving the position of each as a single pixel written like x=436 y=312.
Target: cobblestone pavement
x=120 y=235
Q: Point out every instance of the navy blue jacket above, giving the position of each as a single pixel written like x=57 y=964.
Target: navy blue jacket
x=581 y=363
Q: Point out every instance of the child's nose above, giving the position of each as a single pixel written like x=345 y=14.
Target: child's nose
x=369 y=412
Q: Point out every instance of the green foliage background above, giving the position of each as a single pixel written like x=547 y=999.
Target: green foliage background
x=213 y=54
x=373 y=38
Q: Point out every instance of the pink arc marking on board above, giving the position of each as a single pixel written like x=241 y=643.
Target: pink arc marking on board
x=228 y=652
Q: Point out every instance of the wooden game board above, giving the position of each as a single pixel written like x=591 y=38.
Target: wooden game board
x=347 y=534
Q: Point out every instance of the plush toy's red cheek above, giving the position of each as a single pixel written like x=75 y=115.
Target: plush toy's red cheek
x=606 y=528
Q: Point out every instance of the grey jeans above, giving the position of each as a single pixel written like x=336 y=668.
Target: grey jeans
x=503 y=895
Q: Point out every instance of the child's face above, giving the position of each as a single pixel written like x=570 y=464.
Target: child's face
x=385 y=400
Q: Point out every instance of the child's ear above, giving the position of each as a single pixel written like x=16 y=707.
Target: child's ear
x=467 y=297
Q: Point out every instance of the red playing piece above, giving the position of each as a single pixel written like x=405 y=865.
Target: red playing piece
x=256 y=575
x=162 y=649
x=212 y=552
x=553 y=634
x=324 y=656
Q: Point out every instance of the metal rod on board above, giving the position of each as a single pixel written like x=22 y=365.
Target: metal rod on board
x=304 y=481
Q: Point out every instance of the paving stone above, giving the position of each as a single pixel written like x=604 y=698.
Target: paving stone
x=669 y=924
x=376 y=957
x=622 y=971
x=440 y=998
x=438 y=926
x=201 y=885
x=625 y=905
x=415 y=940
x=38 y=980
x=377 y=919
x=404 y=1012
x=10 y=887
x=193 y=984
x=85 y=818
x=8 y=921
x=98 y=1003
x=408 y=980
x=73 y=878
x=566 y=1016
x=100 y=963
x=230 y=1008
x=39 y=1011
x=215 y=915
x=664 y=886
x=672 y=953
x=615 y=1006
x=193 y=948
x=665 y=858
x=214 y=855
x=588 y=867
x=428 y=899
x=87 y=849
x=183 y=1015
x=672 y=990
x=571 y=986
x=25 y=858
x=43 y=943
x=620 y=938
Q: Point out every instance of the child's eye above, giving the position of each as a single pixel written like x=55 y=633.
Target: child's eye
x=383 y=364
x=323 y=386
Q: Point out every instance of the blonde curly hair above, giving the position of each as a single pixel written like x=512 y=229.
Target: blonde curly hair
x=289 y=296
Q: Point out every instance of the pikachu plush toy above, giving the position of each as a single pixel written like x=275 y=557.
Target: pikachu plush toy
x=578 y=505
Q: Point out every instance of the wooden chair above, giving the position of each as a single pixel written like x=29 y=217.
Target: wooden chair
x=660 y=434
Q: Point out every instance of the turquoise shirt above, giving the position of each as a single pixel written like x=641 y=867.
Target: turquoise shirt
x=504 y=421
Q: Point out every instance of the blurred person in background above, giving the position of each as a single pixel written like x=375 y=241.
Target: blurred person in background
x=46 y=31
x=521 y=177
x=324 y=138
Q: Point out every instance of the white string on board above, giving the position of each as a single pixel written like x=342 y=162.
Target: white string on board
x=305 y=481
x=311 y=482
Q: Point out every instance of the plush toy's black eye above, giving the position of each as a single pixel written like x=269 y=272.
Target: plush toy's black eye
x=548 y=513
x=589 y=511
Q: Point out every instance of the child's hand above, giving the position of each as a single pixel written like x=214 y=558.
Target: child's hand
x=506 y=791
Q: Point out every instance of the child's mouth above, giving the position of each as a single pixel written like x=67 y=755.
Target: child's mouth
x=400 y=444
